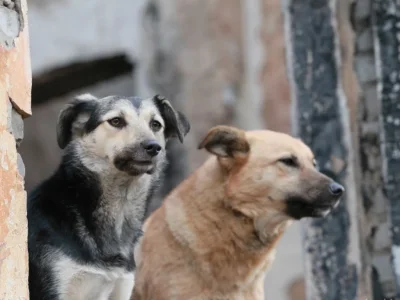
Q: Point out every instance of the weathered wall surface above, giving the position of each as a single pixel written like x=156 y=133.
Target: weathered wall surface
x=15 y=85
x=319 y=51
x=375 y=203
x=386 y=20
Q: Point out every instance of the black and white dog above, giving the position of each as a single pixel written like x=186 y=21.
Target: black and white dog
x=86 y=218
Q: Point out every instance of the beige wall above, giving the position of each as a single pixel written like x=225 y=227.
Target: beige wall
x=15 y=86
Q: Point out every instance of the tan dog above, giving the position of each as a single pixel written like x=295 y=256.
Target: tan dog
x=215 y=234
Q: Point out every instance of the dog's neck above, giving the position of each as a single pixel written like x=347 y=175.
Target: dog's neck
x=227 y=242
x=204 y=194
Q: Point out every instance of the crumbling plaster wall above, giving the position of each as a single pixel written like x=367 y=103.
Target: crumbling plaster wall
x=15 y=87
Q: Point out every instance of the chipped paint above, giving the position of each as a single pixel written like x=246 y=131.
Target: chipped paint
x=15 y=84
x=13 y=223
x=15 y=70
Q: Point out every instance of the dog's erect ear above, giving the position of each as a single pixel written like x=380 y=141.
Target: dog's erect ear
x=176 y=124
x=226 y=141
x=73 y=117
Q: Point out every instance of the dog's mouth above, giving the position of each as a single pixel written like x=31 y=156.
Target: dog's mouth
x=298 y=208
x=135 y=167
x=142 y=162
x=322 y=210
x=140 y=167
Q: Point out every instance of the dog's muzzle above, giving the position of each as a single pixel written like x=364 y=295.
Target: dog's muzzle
x=321 y=204
x=139 y=159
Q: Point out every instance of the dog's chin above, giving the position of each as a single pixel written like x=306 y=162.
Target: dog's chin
x=136 y=168
x=299 y=208
x=140 y=170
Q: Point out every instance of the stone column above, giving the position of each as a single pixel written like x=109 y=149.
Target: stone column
x=15 y=88
x=333 y=261
x=386 y=21
x=375 y=204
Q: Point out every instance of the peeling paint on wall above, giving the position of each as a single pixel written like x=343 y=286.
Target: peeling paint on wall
x=15 y=84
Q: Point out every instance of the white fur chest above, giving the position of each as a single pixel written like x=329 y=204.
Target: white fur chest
x=84 y=282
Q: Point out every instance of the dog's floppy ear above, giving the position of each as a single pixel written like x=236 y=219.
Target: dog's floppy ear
x=176 y=124
x=73 y=117
x=226 y=142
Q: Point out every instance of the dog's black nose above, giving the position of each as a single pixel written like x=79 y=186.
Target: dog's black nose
x=152 y=147
x=336 y=189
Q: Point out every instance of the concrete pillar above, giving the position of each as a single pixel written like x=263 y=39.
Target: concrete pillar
x=386 y=21
x=321 y=117
x=15 y=87
x=375 y=204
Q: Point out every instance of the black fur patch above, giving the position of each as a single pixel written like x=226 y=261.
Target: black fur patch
x=176 y=124
x=298 y=207
x=67 y=118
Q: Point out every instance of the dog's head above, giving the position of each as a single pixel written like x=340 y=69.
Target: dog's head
x=271 y=173
x=128 y=133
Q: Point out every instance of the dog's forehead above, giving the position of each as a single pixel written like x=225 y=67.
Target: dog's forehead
x=128 y=105
x=148 y=107
x=278 y=143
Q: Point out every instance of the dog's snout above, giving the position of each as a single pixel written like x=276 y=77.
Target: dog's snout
x=152 y=147
x=336 y=189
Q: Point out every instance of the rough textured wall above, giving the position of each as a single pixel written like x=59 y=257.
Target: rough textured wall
x=333 y=259
x=372 y=191
x=360 y=229
x=15 y=85
x=386 y=17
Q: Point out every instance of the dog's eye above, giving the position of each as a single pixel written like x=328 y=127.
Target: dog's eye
x=289 y=161
x=117 y=122
x=155 y=125
x=316 y=165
